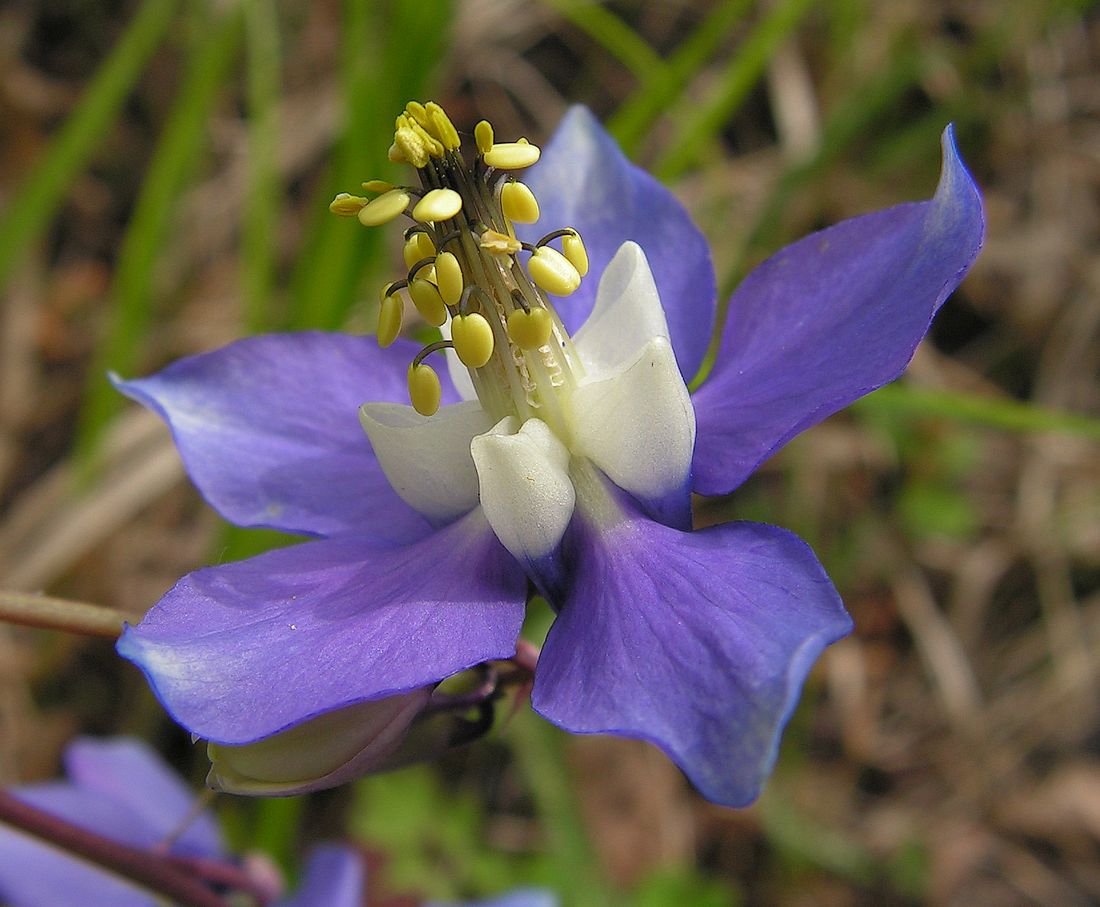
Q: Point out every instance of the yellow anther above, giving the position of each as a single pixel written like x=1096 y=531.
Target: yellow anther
x=498 y=243
x=529 y=330
x=424 y=389
x=389 y=319
x=512 y=155
x=387 y=291
x=347 y=205
x=434 y=146
x=442 y=126
x=417 y=111
x=394 y=154
x=428 y=302
x=553 y=271
x=437 y=205
x=573 y=247
x=472 y=338
x=413 y=250
x=384 y=208
x=448 y=277
x=411 y=147
x=483 y=135
x=519 y=203
x=377 y=186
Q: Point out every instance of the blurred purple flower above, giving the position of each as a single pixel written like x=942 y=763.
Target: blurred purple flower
x=120 y=789
x=696 y=641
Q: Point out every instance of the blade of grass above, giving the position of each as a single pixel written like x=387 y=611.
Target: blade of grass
x=659 y=86
x=982 y=412
x=538 y=750
x=379 y=75
x=262 y=79
x=37 y=200
x=705 y=121
x=178 y=152
x=612 y=34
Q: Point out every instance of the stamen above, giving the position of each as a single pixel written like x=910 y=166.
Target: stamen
x=386 y=207
x=572 y=247
x=448 y=277
x=483 y=135
x=390 y=316
x=518 y=203
x=529 y=329
x=418 y=245
x=499 y=243
x=437 y=205
x=428 y=302
x=347 y=205
x=512 y=155
x=473 y=339
x=425 y=390
x=378 y=186
x=553 y=272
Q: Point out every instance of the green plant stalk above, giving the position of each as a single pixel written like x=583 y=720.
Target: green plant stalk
x=612 y=34
x=705 y=121
x=981 y=412
x=177 y=155
x=37 y=200
x=659 y=86
x=262 y=202
x=538 y=751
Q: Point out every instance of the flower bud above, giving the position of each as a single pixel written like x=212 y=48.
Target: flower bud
x=325 y=751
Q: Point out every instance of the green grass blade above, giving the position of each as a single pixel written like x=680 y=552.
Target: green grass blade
x=379 y=76
x=37 y=200
x=178 y=152
x=704 y=122
x=262 y=78
x=981 y=412
x=612 y=34
x=659 y=86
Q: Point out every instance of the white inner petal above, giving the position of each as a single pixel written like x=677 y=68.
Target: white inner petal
x=627 y=315
x=526 y=492
x=427 y=460
x=638 y=425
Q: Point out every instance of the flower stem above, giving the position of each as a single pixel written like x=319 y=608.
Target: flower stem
x=49 y=613
x=150 y=871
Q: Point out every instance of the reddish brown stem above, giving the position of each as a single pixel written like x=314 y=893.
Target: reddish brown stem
x=149 y=870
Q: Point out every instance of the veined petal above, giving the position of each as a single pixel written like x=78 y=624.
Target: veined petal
x=267 y=429
x=638 y=426
x=325 y=625
x=526 y=491
x=583 y=180
x=334 y=876
x=131 y=774
x=698 y=642
x=427 y=459
x=627 y=314
x=829 y=319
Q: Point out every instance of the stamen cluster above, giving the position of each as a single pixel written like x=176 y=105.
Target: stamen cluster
x=462 y=260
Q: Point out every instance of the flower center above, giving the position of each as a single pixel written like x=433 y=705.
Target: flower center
x=466 y=266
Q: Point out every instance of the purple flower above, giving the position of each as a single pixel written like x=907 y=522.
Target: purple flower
x=120 y=789
x=564 y=455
